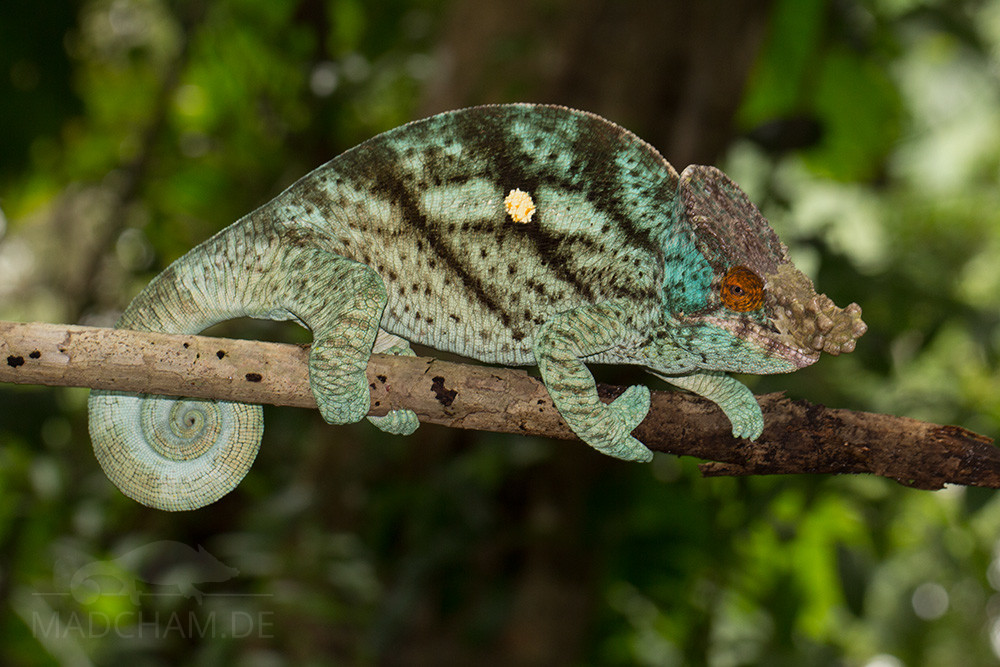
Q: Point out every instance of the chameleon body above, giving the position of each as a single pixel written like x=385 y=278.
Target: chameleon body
x=512 y=234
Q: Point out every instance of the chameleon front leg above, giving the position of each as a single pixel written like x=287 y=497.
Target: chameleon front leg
x=731 y=395
x=560 y=344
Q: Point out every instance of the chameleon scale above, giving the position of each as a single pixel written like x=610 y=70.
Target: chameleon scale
x=512 y=234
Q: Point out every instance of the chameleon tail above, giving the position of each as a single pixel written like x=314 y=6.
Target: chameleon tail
x=182 y=453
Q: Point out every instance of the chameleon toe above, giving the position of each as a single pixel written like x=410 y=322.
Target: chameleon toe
x=632 y=405
x=397 y=422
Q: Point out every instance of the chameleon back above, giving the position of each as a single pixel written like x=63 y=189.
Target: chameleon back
x=424 y=205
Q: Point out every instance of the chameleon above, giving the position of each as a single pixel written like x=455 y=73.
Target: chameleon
x=518 y=234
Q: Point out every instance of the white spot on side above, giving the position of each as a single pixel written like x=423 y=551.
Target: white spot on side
x=519 y=206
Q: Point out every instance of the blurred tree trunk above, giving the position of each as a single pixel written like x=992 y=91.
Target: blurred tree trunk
x=671 y=71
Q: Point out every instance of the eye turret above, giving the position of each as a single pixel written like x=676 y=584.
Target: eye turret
x=742 y=290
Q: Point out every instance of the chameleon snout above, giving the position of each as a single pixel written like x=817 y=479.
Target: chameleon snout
x=813 y=322
x=826 y=328
x=823 y=326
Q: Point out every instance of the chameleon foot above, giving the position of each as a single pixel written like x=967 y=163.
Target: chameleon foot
x=341 y=393
x=626 y=449
x=397 y=422
x=747 y=420
x=632 y=405
x=626 y=411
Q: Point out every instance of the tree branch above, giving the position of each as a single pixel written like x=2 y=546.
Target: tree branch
x=799 y=437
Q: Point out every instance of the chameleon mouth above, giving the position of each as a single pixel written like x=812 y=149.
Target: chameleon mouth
x=776 y=344
x=795 y=354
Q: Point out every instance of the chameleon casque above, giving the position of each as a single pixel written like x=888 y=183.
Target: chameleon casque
x=513 y=234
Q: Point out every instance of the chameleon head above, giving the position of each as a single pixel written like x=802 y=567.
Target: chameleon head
x=756 y=312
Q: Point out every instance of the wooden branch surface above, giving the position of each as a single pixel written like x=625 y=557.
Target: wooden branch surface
x=799 y=437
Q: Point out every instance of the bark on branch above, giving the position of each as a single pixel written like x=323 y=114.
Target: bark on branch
x=799 y=437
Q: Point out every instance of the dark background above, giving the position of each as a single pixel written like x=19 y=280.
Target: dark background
x=867 y=131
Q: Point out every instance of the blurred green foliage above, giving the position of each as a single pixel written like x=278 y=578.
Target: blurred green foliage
x=133 y=129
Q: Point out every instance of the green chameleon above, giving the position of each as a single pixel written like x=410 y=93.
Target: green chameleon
x=513 y=234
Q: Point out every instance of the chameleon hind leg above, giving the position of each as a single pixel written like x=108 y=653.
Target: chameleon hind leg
x=397 y=422
x=342 y=302
x=559 y=346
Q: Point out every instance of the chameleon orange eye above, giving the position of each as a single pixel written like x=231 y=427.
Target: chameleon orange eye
x=742 y=290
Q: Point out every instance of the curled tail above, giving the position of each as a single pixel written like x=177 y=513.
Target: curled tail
x=180 y=454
